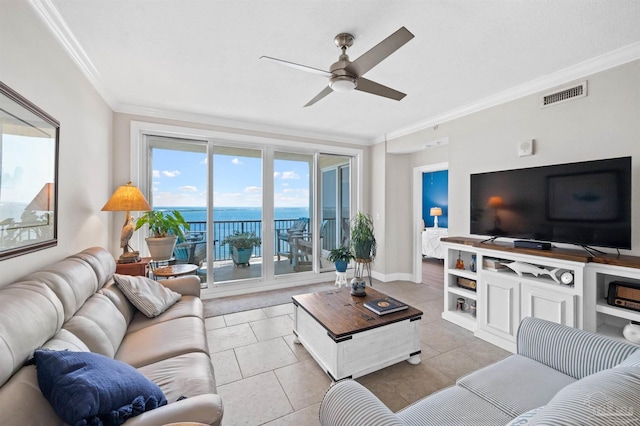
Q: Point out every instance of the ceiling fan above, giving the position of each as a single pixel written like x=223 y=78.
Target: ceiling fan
x=345 y=75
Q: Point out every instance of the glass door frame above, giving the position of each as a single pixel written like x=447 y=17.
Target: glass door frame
x=139 y=173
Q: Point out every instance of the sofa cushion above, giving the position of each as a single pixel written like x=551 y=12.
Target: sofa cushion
x=65 y=340
x=149 y=296
x=609 y=397
x=185 y=375
x=162 y=341
x=632 y=360
x=72 y=280
x=31 y=314
x=99 y=324
x=83 y=386
x=516 y=384
x=451 y=403
x=187 y=306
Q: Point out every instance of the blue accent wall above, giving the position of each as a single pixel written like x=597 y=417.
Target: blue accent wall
x=435 y=193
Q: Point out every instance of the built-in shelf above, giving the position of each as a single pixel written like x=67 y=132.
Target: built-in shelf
x=469 y=294
x=604 y=308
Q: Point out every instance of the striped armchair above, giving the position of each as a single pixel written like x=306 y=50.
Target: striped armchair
x=560 y=376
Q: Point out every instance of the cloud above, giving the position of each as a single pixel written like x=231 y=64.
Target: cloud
x=167 y=173
x=236 y=161
x=252 y=189
x=276 y=175
x=290 y=175
x=188 y=188
x=156 y=173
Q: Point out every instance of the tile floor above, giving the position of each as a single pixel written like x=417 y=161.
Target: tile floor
x=266 y=379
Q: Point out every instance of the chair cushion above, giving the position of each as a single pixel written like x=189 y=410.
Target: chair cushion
x=149 y=296
x=516 y=384
x=610 y=397
x=525 y=419
x=87 y=388
x=453 y=405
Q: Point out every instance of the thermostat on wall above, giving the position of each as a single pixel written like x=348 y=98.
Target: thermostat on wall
x=525 y=148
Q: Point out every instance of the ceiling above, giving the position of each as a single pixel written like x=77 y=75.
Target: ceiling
x=199 y=59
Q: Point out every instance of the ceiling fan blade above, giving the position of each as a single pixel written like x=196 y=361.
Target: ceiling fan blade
x=319 y=96
x=298 y=66
x=374 y=88
x=379 y=52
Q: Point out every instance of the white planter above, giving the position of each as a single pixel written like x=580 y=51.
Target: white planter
x=161 y=248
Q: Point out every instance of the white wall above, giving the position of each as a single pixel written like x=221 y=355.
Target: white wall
x=605 y=124
x=33 y=64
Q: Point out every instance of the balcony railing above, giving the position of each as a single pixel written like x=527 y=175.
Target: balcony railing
x=222 y=229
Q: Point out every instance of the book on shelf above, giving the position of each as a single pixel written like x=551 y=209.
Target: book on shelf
x=385 y=305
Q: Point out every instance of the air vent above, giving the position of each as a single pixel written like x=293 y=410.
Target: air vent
x=564 y=94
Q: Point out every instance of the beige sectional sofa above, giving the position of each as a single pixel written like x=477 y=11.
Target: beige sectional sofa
x=74 y=304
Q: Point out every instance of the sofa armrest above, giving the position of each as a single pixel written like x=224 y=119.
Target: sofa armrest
x=205 y=409
x=188 y=285
x=348 y=403
x=576 y=353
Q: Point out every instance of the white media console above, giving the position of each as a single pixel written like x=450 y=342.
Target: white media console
x=502 y=297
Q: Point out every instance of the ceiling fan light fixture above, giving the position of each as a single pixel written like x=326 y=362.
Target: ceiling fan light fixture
x=342 y=83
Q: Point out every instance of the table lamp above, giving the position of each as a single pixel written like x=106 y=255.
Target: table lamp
x=127 y=198
x=435 y=212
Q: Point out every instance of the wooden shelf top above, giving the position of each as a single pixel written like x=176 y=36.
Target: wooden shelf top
x=575 y=255
x=342 y=314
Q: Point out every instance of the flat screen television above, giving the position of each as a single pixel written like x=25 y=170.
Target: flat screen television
x=586 y=203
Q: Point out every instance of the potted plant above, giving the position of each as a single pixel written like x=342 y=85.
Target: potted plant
x=363 y=239
x=341 y=256
x=242 y=244
x=164 y=230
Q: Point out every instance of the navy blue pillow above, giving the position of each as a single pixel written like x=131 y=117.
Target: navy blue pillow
x=85 y=388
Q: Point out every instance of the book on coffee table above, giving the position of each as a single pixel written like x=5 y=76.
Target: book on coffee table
x=386 y=305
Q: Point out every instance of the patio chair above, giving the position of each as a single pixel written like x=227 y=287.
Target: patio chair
x=181 y=253
x=295 y=231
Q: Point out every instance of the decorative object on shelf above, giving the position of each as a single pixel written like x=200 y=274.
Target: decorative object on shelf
x=472 y=266
x=461 y=304
x=242 y=244
x=527 y=268
x=624 y=295
x=466 y=283
x=472 y=308
x=566 y=278
x=341 y=256
x=459 y=261
x=164 y=230
x=435 y=212
x=631 y=332
x=363 y=239
x=358 y=286
x=127 y=198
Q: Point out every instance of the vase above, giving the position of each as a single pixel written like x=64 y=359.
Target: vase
x=358 y=286
x=631 y=332
x=341 y=265
x=241 y=256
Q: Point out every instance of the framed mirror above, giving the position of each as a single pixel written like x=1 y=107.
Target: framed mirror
x=29 y=140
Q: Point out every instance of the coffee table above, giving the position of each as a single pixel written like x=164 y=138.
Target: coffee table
x=348 y=340
x=175 y=270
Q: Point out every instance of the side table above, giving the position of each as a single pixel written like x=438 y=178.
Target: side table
x=362 y=266
x=140 y=268
x=174 y=270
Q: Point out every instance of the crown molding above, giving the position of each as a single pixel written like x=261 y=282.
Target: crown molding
x=56 y=24
x=581 y=70
x=239 y=125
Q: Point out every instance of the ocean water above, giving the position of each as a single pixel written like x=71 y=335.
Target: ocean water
x=220 y=214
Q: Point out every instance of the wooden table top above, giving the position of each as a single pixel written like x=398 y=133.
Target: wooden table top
x=342 y=314
x=175 y=270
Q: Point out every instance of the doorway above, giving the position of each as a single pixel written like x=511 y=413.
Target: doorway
x=422 y=219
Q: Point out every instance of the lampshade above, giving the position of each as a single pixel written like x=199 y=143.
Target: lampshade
x=44 y=200
x=435 y=211
x=495 y=202
x=127 y=198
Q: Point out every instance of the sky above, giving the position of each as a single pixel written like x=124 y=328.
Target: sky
x=180 y=180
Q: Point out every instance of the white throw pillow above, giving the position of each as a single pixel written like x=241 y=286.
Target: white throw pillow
x=149 y=296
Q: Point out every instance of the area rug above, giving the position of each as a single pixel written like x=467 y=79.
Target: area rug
x=247 y=302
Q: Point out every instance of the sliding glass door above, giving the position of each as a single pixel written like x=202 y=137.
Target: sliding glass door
x=293 y=212
x=256 y=213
